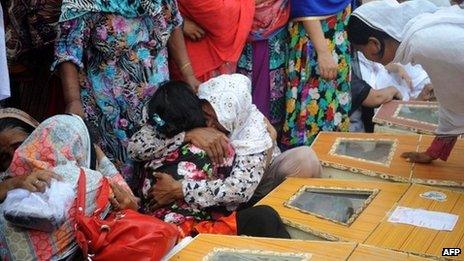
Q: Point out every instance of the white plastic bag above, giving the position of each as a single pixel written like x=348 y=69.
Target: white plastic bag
x=40 y=211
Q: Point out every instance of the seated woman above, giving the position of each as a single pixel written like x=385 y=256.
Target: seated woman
x=426 y=35
x=226 y=103
x=58 y=148
x=174 y=109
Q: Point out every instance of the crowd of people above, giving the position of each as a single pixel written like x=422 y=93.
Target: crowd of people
x=193 y=111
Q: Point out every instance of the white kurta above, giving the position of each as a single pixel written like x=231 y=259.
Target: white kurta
x=436 y=41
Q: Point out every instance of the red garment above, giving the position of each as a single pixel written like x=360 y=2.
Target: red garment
x=227 y=24
x=226 y=225
x=441 y=147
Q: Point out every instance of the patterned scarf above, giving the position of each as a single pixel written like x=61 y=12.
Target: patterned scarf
x=72 y=9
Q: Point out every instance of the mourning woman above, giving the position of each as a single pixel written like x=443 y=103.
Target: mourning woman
x=58 y=148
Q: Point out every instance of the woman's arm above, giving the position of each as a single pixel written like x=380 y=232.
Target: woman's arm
x=7 y=185
x=148 y=144
x=192 y=30
x=178 y=50
x=236 y=189
x=37 y=181
x=328 y=68
x=69 y=52
x=71 y=88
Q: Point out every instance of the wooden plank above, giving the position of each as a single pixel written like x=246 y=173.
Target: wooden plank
x=445 y=173
x=321 y=251
x=359 y=230
x=393 y=235
x=399 y=171
x=447 y=239
x=386 y=116
x=420 y=240
x=365 y=253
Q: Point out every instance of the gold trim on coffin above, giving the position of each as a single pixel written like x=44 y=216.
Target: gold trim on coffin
x=215 y=251
x=389 y=158
x=400 y=106
x=373 y=193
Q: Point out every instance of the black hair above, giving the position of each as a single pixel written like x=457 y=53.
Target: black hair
x=359 y=33
x=178 y=107
x=11 y=123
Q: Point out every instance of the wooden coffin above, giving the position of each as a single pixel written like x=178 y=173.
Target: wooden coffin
x=211 y=247
x=334 y=209
x=420 y=240
x=410 y=116
x=379 y=155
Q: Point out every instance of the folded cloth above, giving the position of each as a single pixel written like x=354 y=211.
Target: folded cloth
x=39 y=211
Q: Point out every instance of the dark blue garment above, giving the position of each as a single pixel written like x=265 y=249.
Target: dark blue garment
x=308 y=8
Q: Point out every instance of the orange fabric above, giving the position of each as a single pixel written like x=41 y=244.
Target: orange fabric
x=223 y=226
x=227 y=24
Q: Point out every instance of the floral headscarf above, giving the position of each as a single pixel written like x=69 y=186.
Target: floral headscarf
x=60 y=144
x=230 y=97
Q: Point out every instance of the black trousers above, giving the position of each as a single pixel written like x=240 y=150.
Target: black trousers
x=260 y=221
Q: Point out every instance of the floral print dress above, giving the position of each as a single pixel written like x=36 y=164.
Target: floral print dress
x=312 y=103
x=122 y=61
x=187 y=163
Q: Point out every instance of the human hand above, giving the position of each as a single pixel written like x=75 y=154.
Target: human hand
x=214 y=142
x=123 y=199
x=75 y=107
x=192 y=30
x=328 y=67
x=270 y=128
x=426 y=94
x=193 y=82
x=419 y=157
x=165 y=191
x=98 y=152
x=404 y=76
x=37 y=181
x=395 y=93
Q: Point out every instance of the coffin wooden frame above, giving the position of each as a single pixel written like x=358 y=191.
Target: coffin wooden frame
x=320 y=250
x=389 y=157
x=439 y=173
x=364 y=223
x=372 y=194
x=417 y=240
x=387 y=115
x=215 y=251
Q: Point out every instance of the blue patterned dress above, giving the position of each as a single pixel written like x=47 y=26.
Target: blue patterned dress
x=122 y=61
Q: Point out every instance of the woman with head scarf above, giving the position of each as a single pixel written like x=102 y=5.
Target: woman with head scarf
x=419 y=32
x=264 y=58
x=112 y=55
x=215 y=33
x=227 y=106
x=58 y=148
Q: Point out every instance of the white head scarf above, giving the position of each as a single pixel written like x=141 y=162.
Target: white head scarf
x=391 y=17
x=230 y=97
